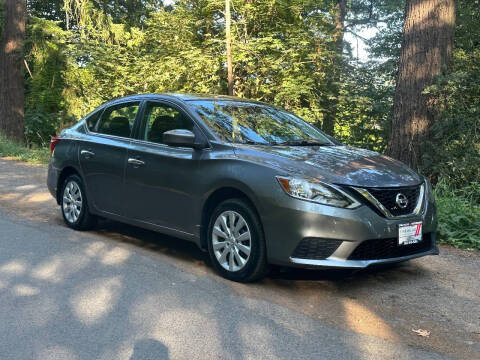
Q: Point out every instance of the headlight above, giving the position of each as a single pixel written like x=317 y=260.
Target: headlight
x=315 y=191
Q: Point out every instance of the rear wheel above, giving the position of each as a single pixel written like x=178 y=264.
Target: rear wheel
x=74 y=204
x=235 y=242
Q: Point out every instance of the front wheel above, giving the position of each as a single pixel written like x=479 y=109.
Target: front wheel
x=235 y=242
x=74 y=204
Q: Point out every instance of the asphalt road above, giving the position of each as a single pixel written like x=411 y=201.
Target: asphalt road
x=124 y=293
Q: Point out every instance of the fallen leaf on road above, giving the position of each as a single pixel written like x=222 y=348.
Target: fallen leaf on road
x=421 y=332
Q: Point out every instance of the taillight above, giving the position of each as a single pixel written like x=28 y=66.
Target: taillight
x=53 y=142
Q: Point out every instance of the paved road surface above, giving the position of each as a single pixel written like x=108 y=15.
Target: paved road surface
x=124 y=293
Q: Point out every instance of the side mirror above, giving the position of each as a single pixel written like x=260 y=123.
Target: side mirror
x=179 y=137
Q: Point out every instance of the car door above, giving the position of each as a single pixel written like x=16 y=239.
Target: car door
x=160 y=179
x=103 y=156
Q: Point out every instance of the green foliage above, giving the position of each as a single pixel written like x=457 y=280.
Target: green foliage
x=283 y=54
x=386 y=44
x=182 y=50
x=454 y=149
x=40 y=126
x=45 y=47
x=46 y=9
x=11 y=149
x=459 y=215
x=366 y=102
x=364 y=108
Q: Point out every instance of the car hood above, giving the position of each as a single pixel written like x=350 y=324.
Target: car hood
x=343 y=165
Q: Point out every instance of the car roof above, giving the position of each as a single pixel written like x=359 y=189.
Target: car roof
x=181 y=97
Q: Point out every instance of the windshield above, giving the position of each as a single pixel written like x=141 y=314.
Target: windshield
x=251 y=123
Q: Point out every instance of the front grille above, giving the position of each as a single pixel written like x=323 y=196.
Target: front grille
x=387 y=197
x=388 y=248
x=315 y=248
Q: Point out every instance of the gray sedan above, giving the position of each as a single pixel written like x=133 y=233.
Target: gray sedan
x=250 y=183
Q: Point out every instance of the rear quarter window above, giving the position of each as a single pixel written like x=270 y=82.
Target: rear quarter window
x=91 y=120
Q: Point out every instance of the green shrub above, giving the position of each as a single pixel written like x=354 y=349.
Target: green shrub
x=19 y=152
x=459 y=215
x=40 y=127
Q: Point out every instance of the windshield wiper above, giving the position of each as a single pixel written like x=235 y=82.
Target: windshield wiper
x=303 y=142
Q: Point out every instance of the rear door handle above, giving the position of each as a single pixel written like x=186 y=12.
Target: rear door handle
x=136 y=162
x=87 y=153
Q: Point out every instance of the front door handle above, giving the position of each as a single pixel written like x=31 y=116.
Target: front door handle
x=136 y=162
x=87 y=153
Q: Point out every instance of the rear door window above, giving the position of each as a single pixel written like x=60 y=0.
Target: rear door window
x=118 y=120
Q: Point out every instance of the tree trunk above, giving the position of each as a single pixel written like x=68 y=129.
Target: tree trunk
x=228 y=40
x=11 y=70
x=341 y=10
x=426 y=51
x=334 y=83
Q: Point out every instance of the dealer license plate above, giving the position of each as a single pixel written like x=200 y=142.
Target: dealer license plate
x=410 y=233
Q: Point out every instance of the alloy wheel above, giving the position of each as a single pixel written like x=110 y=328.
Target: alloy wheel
x=231 y=241
x=72 y=201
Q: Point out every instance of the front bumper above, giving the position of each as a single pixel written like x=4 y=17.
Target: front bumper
x=332 y=262
x=288 y=221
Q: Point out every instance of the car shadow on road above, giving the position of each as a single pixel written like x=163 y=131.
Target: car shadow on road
x=184 y=250
x=151 y=240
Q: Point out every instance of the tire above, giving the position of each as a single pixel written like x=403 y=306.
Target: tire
x=74 y=204
x=228 y=242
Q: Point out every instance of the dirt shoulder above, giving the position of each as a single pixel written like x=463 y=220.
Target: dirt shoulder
x=440 y=294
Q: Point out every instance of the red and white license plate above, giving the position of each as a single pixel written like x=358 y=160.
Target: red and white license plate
x=409 y=233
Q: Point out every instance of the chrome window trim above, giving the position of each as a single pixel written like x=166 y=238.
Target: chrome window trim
x=372 y=199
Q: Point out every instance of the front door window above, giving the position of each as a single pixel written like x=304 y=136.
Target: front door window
x=160 y=118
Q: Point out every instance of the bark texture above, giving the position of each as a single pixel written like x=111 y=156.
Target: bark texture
x=228 y=39
x=426 y=51
x=331 y=113
x=11 y=70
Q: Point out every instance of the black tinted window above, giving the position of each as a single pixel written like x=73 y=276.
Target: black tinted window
x=92 y=119
x=160 y=118
x=118 y=120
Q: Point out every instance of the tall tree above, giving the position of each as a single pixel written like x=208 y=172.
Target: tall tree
x=334 y=83
x=228 y=39
x=11 y=70
x=427 y=45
